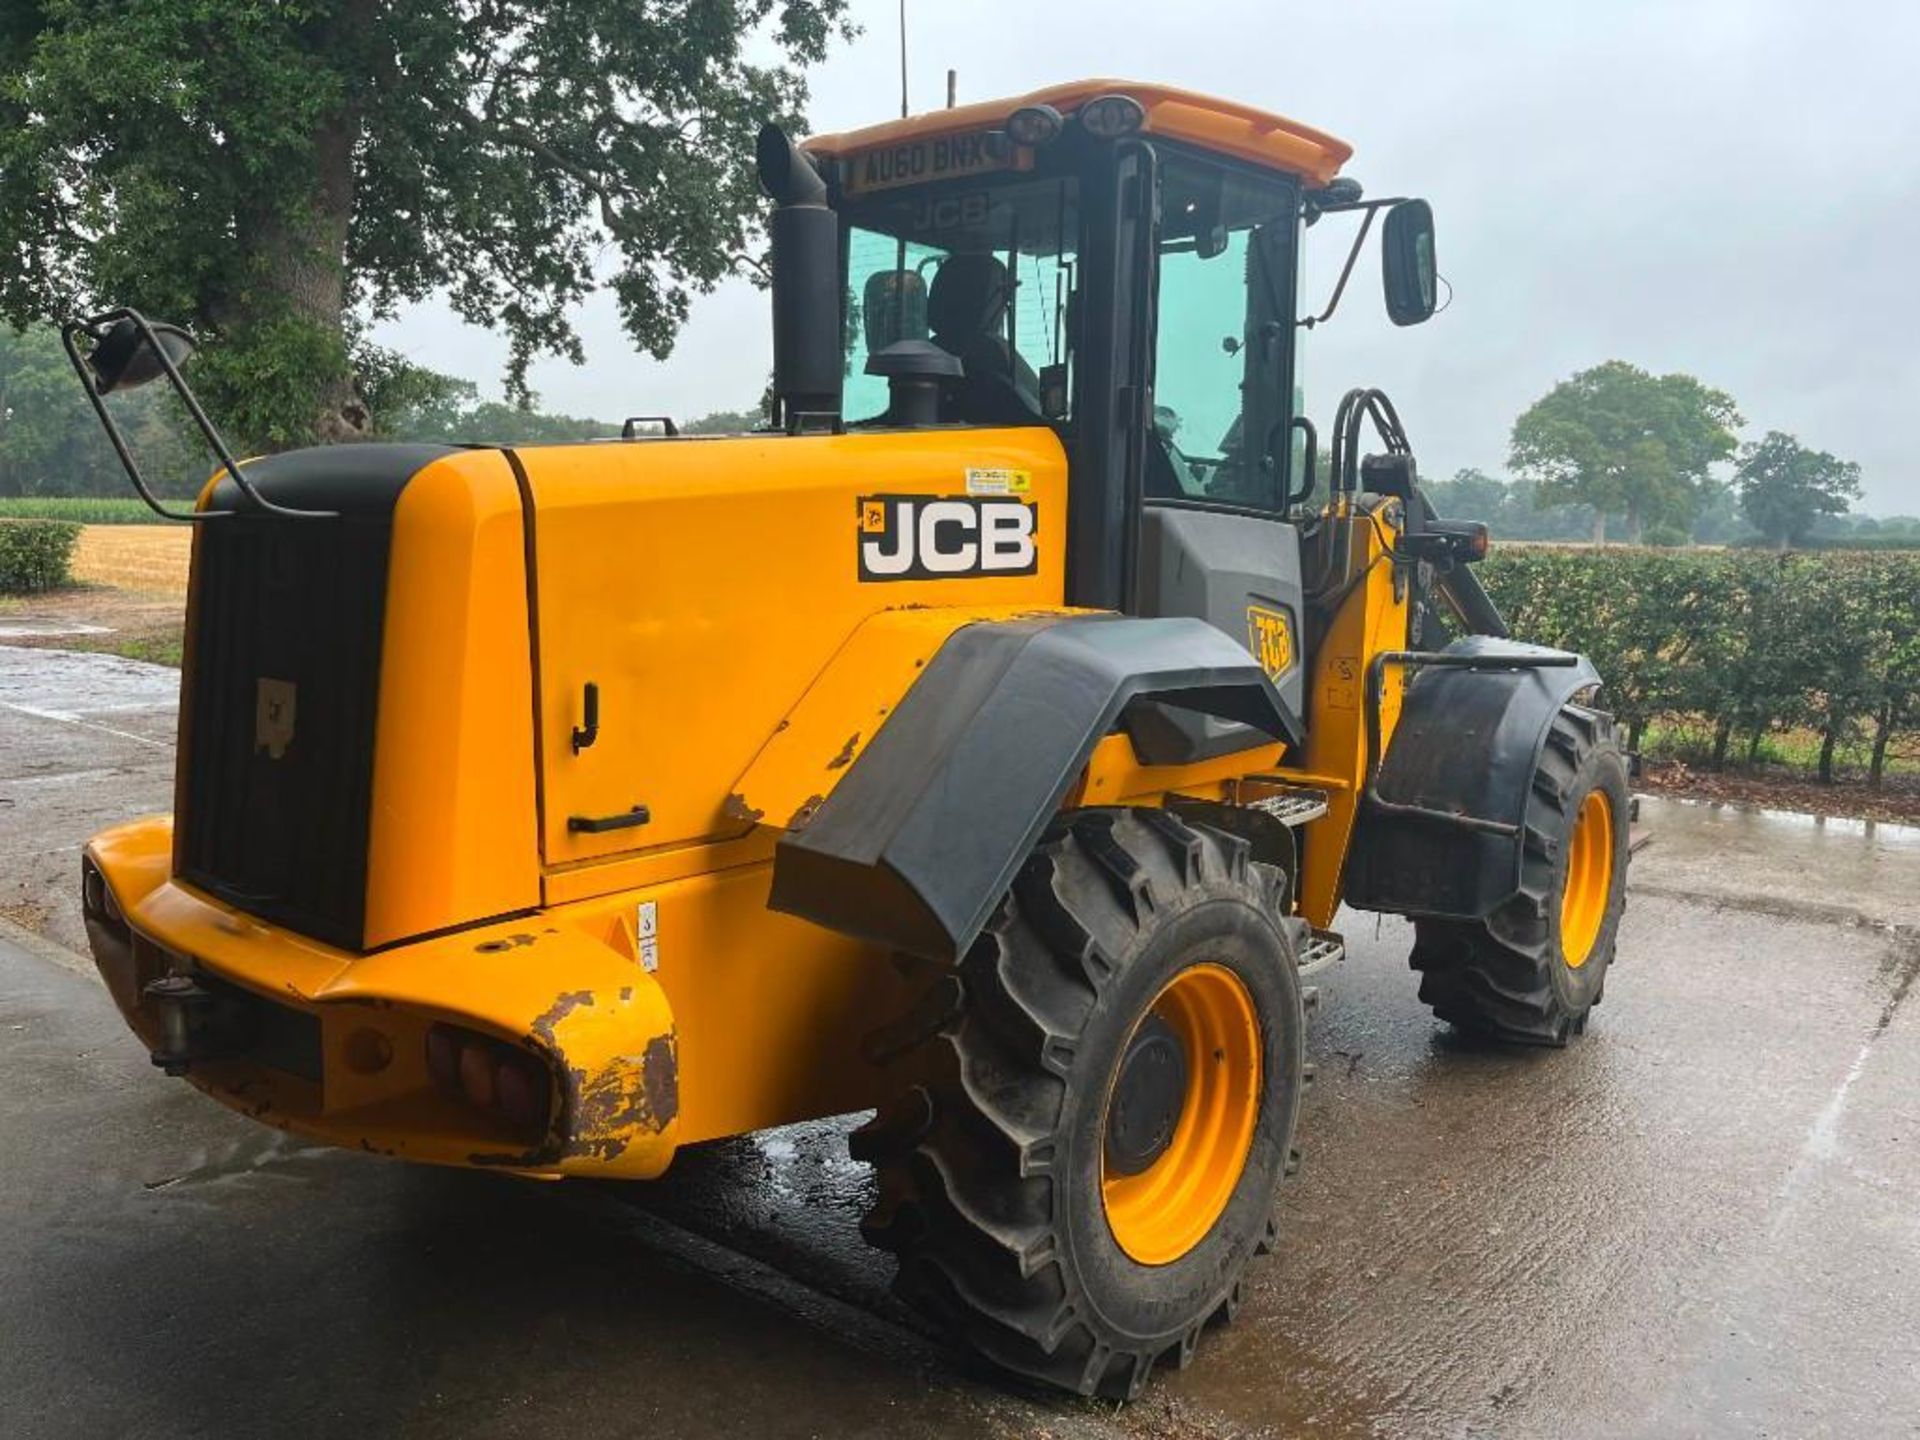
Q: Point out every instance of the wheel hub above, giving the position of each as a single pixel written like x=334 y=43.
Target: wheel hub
x=1181 y=1114
x=1149 y=1092
x=1589 y=878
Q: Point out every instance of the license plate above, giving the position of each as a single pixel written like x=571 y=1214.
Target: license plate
x=950 y=157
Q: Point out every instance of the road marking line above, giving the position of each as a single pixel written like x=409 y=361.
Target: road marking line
x=69 y=719
x=1823 y=1136
x=1822 y=1142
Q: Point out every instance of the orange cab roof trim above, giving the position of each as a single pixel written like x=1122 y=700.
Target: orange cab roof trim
x=1225 y=126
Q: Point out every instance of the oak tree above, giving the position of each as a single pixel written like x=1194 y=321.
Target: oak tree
x=1785 y=487
x=277 y=175
x=1627 y=443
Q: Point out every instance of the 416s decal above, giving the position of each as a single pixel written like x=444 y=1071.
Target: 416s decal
x=941 y=537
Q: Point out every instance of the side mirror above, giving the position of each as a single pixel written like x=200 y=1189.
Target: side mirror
x=124 y=350
x=1408 y=272
x=126 y=358
x=893 y=307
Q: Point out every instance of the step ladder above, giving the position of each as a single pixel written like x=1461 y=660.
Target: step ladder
x=1292 y=805
x=1323 y=950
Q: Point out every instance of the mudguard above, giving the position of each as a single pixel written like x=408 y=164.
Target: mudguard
x=916 y=844
x=1464 y=752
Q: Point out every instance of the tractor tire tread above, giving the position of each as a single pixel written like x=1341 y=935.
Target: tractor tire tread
x=964 y=1154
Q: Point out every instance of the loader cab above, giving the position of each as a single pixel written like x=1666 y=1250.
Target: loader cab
x=1119 y=263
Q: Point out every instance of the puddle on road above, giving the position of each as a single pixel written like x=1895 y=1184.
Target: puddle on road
x=1716 y=820
x=1814 y=867
x=67 y=684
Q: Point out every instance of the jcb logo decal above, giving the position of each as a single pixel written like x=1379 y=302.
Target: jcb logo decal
x=1270 y=638
x=936 y=537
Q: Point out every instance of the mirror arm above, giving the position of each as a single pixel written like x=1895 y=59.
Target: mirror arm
x=1371 y=207
x=94 y=328
x=1346 y=271
x=68 y=334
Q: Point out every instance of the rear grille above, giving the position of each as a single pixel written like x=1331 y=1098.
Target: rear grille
x=288 y=614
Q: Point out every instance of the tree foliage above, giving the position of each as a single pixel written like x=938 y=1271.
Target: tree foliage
x=445 y=410
x=1510 y=509
x=1785 y=488
x=51 y=443
x=340 y=157
x=726 y=422
x=1627 y=442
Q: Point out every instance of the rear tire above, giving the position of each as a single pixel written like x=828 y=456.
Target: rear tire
x=995 y=1192
x=1533 y=969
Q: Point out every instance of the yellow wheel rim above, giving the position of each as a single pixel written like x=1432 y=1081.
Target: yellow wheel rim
x=1583 y=901
x=1162 y=1212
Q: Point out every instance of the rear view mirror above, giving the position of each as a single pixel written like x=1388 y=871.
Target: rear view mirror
x=1408 y=272
x=126 y=358
x=893 y=307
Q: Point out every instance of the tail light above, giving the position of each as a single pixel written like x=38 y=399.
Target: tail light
x=97 y=903
x=493 y=1077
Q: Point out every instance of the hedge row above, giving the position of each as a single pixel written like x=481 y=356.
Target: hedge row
x=35 y=554
x=1747 y=643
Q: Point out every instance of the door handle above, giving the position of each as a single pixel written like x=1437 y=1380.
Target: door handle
x=600 y=824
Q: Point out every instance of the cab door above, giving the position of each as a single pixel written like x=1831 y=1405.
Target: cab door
x=1216 y=541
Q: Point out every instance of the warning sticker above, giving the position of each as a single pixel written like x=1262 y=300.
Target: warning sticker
x=999 y=482
x=647 y=932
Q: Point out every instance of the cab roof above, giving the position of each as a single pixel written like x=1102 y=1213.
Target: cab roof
x=1224 y=126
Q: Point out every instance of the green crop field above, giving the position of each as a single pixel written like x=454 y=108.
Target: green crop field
x=120 y=510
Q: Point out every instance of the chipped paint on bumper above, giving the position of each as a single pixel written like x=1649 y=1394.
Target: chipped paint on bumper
x=601 y=1024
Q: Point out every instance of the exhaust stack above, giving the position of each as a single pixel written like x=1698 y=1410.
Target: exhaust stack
x=807 y=350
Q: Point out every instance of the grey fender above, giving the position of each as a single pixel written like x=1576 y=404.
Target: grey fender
x=917 y=843
x=1439 y=832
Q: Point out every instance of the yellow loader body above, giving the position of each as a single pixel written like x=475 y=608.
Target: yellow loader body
x=709 y=590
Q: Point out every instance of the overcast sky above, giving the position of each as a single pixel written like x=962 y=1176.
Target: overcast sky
x=1726 y=187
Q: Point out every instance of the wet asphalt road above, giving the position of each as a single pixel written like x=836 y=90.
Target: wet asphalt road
x=1702 y=1220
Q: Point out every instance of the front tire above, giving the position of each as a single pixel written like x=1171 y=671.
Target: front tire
x=1096 y=1105
x=1532 y=971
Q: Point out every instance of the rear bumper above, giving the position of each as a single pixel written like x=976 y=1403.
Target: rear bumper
x=333 y=1046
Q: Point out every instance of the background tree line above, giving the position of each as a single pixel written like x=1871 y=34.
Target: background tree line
x=51 y=444
x=1616 y=452
x=1739 y=645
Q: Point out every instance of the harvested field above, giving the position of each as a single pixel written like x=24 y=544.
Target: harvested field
x=150 y=559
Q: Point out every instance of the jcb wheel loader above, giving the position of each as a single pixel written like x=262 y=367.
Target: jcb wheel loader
x=989 y=743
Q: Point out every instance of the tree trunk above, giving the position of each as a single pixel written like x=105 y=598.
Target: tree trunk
x=1635 y=528
x=306 y=258
x=1599 y=527
x=299 y=276
x=1827 y=738
x=1634 y=727
x=1753 y=745
x=1722 y=737
x=1882 y=735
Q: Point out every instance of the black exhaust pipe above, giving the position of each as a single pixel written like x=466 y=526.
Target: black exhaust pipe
x=807 y=350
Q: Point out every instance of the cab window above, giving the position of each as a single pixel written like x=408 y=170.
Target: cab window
x=1222 y=352
x=989 y=276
